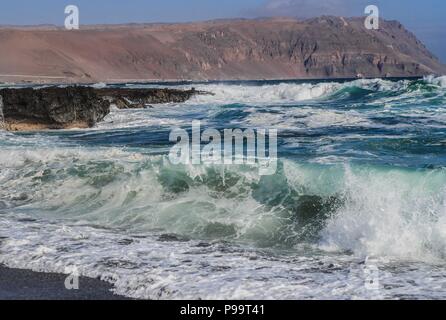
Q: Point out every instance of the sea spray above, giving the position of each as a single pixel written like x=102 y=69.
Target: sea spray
x=287 y=93
x=2 y=116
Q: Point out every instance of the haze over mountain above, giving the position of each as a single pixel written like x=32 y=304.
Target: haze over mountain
x=273 y=48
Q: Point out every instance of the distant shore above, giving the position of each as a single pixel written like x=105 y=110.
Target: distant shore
x=175 y=82
x=237 y=49
x=18 y=284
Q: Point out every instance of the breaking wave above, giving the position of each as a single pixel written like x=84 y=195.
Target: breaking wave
x=286 y=93
x=368 y=210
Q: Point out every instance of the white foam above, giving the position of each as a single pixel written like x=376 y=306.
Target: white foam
x=2 y=116
x=438 y=81
x=393 y=213
x=99 y=85
x=120 y=119
x=266 y=94
x=307 y=117
x=285 y=93
x=146 y=268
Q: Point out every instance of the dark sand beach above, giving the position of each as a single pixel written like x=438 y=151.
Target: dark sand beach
x=17 y=284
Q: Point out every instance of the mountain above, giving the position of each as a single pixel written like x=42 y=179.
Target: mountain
x=273 y=48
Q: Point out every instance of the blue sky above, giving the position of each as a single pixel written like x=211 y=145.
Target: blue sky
x=425 y=18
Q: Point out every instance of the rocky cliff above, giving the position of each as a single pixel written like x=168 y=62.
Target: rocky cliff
x=52 y=108
x=74 y=107
x=229 y=49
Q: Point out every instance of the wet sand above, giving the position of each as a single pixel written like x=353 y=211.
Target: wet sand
x=17 y=284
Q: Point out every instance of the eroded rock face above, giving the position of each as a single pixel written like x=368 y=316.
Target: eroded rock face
x=277 y=48
x=75 y=107
x=52 y=108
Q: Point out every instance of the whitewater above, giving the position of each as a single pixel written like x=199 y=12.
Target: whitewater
x=356 y=209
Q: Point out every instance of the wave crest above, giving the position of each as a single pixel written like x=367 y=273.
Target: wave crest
x=368 y=210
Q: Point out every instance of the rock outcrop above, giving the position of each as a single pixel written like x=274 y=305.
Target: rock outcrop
x=52 y=108
x=275 y=48
x=75 y=107
x=144 y=98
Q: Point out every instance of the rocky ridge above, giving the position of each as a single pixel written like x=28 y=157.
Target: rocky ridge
x=273 y=48
x=26 y=109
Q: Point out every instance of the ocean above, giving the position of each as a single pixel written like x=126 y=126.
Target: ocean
x=355 y=210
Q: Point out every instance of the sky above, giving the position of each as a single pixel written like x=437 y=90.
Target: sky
x=424 y=18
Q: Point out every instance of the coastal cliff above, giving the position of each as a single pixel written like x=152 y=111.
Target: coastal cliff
x=274 y=48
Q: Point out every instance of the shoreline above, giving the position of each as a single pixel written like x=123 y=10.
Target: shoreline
x=175 y=82
x=22 y=284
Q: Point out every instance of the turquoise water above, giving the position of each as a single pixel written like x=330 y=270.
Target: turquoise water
x=360 y=186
